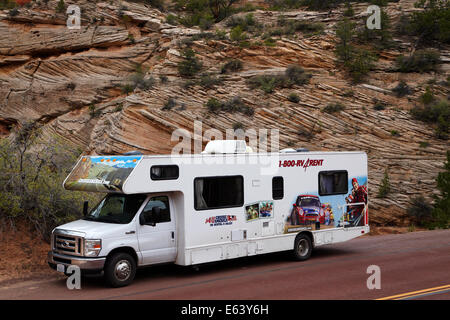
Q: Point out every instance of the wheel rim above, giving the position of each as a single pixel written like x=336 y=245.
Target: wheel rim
x=303 y=247
x=122 y=270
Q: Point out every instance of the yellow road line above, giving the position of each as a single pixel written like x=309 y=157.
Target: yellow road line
x=414 y=293
x=424 y=294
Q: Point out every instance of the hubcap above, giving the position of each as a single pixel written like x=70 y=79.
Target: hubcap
x=303 y=247
x=123 y=270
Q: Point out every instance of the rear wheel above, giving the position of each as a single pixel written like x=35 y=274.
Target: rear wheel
x=120 y=270
x=302 y=247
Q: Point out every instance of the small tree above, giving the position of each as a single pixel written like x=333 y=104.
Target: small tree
x=441 y=212
x=190 y=65
x=61 y=6
x=385 y=186
x=345 y=32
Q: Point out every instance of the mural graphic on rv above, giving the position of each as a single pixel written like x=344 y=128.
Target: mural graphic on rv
x=101 y=173
x=313 y=212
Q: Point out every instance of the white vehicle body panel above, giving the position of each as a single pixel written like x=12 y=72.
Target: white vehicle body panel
x=198 y=241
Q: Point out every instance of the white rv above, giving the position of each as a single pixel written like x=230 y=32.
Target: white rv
x=194 y=209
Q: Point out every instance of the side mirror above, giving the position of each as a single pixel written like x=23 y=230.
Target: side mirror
x=85 y=208
x=142 y=219
x=156 y=212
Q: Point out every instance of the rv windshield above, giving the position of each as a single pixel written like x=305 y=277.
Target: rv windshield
x=116 y=208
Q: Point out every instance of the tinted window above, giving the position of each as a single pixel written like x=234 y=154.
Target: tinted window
x=218 y=192
x=277 y=188
x=162 y=202
x=333 y=182
x=164 y=172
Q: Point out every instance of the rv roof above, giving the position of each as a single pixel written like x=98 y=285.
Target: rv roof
x=195 y=155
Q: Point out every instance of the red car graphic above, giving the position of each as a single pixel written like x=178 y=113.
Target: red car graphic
x=307 y=210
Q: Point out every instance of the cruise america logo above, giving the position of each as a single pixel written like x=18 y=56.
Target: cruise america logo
x=220 y=220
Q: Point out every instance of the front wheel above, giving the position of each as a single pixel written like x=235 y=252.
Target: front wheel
x=302 y=247
x=120 y=270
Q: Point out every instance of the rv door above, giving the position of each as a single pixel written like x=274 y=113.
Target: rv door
x=156 y=231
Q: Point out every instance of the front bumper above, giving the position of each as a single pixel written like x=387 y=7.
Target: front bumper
x=85 y=264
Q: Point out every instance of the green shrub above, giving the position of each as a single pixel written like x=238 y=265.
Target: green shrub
x=379 y=105
x=420 y=61
x=213 y=105
x=293 y=97
x=433 y=22
x=169 y=105
x=420 y=211
x=190 y=65
x=119 y=107
x=233 y=65
x=159 y=4
x=237 y=126
x=93 y=111
x=172 y=19
x=349 y=12
x=236 y=34
x=402 y=89
x=297 y=75
x=221 y=34
x=61 y=6
x=163 y=78
x=437 y=114
x=247 y=23
x=127 y=89
x=32 y=171
x=8 y=4
x=269 y=42
x=360 y=64
x=294 y=75
x=333 y=108
x=207 y=80
x=196 y=12
x=395 y=133
x=427 y=97
x=385 y=186
x=424 y=144
x=441 y=211
x=357 y=61
x=235 y=104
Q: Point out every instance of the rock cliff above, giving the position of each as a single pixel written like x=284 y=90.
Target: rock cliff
x=71 y=82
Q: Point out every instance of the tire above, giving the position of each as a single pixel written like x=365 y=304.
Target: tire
x=120 y=270
x=302 y=247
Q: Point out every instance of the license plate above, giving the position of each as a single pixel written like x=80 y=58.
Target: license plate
x=60 y=268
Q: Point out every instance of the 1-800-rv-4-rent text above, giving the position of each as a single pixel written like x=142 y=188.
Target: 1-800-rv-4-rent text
x=194 y=209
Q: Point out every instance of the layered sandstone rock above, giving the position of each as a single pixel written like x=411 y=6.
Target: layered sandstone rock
x=71 y=82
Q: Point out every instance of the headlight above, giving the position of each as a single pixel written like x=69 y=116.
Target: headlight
x=92 y=247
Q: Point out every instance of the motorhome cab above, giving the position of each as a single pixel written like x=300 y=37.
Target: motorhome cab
x=194 y=209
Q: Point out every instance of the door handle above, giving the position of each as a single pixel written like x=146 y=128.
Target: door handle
x=173 y=235
x=130 y=232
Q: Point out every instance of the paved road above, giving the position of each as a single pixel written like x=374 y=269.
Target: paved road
x=413 y=266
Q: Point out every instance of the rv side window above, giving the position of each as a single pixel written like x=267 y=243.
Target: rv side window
x=277 y=188
x=161 y=202
x=164 y=172
x=218 y=192
x=333 y=182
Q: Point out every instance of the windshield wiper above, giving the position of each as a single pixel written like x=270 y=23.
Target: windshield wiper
x=102 y=219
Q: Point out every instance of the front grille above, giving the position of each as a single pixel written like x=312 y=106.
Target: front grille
x=68 y=244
